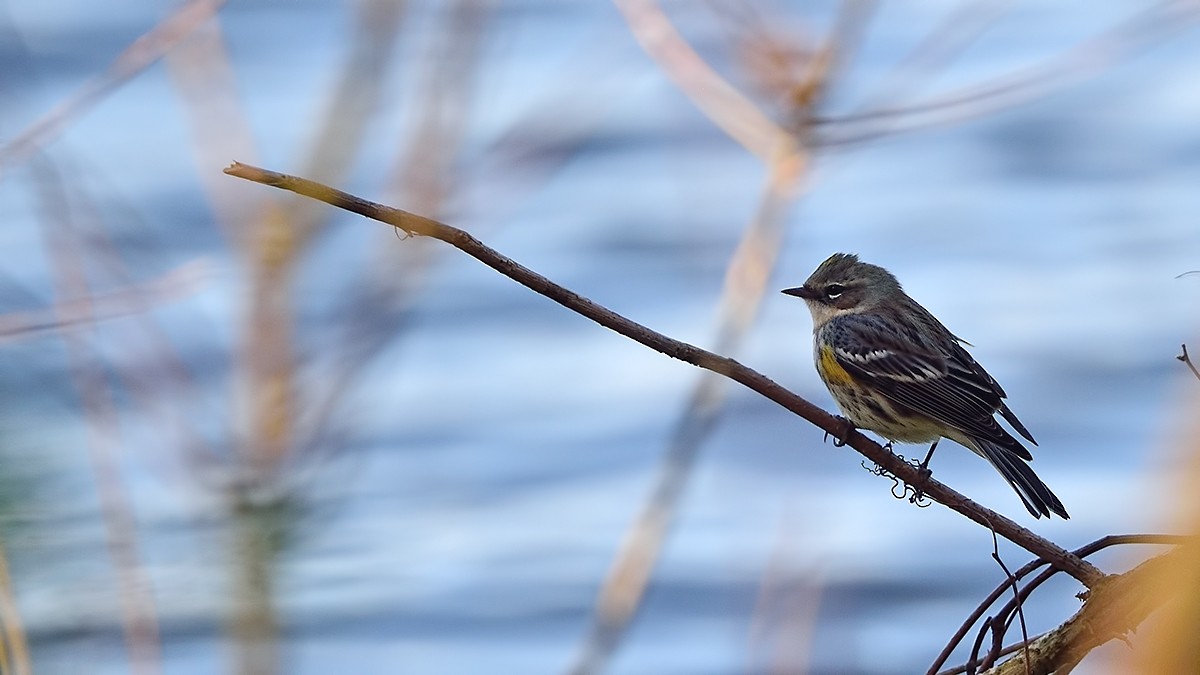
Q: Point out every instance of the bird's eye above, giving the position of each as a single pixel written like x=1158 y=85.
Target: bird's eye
x=833 y=291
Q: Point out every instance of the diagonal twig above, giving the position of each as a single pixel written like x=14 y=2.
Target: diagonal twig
x=139 y=55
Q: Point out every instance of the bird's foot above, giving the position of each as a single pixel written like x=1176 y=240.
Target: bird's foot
x=925 y=472
x=918 y=495
x=902 y=489
x=923 y=467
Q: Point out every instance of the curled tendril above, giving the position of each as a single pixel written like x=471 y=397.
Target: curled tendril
x=877 y=470
x=900 y=489
x=919 y=500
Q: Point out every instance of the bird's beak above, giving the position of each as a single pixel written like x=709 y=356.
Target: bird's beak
x=801 y=292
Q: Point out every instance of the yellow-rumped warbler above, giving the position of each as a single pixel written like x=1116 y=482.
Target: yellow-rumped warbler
x=894 y=369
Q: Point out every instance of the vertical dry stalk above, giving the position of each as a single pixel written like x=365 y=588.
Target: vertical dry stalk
x=745 y=284
x=268 y=394
x=786 y=610
x=268 y=360
x=254 y=619
x=16 y=649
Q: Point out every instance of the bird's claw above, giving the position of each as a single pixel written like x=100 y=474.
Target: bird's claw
x=840 y=439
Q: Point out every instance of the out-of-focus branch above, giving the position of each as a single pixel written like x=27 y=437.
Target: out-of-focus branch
x=788 y=605
x=414 y=224
x=206 y=82
x=725 y=106
x=916 y=70
x=73 y=312
x=1146 y=29
x=139 y=55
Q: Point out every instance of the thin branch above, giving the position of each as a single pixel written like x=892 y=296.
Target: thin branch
x=414 y=224
x=354 y=100
x=1187 y=360
x=998 y=644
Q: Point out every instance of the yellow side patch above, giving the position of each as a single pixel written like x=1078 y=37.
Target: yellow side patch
x=831 y=370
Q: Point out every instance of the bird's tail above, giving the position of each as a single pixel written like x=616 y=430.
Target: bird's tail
x=1033 y=492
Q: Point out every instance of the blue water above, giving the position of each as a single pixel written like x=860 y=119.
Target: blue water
x=475 y=486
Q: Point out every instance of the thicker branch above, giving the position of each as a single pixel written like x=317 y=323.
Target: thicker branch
x=414 y=224
x=1113 y=609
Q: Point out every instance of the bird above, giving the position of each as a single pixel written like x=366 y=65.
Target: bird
x=894 y=369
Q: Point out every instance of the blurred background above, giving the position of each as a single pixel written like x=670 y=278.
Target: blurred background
x=246 y=433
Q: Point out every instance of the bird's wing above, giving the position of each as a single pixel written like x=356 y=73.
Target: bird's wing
x=970 y=371
x=930 y=382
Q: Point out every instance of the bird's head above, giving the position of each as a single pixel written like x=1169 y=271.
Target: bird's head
x=844 y=285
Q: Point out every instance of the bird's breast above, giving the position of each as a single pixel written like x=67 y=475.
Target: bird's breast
x=831 y=371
